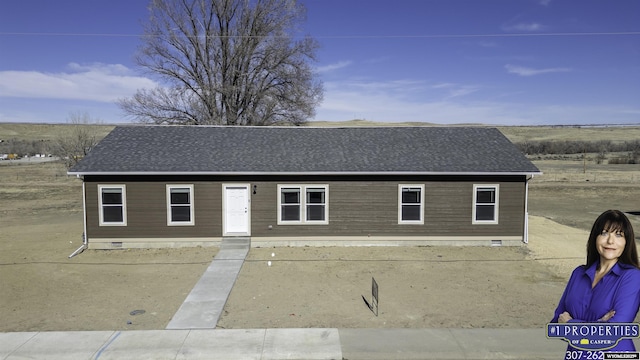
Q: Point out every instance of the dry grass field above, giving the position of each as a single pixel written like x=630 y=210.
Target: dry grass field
x=24 y=131
x=42 y=289
x=515 y=133
x=525 y=133
x=570 y=195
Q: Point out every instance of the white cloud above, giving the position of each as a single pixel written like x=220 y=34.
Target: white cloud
x=95 y=82
x=333 y=67
x=630 y=111
x=524 y=27
x=525 y=71
x=113 y=69
x=346 y=105
x=456 y=90
x=545 y=2
x=405 y=100
x=394 y=87
x=415 y=101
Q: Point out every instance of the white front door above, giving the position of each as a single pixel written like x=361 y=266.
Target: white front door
x=236 y=212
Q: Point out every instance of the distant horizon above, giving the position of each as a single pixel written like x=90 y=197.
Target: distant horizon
x=310 y=122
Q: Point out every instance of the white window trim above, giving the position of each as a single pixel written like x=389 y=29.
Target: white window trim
x=191 y=205
x=290 y=222
x=101 y=221
x=303 y=204
x=413 y=222
x=496 y=204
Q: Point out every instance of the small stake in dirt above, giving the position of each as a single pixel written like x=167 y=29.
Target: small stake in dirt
x=373 y=306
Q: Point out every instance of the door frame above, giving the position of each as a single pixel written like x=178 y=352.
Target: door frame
x=247 y=188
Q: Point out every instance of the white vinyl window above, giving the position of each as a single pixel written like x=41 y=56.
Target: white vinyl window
x=410 y=204
x=180 y=205
x=303 y=204
x=485 y=204
x=112 y=202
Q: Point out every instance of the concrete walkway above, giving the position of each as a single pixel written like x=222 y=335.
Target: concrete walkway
x=277 y=344
x=191 y=334
x=204 y=304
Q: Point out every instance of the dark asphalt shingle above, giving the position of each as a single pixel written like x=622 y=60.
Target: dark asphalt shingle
x=242 y=150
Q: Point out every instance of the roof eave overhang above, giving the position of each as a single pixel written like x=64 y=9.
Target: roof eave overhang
x=294 y=173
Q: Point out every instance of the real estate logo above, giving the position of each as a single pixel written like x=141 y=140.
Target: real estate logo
x=593 y=336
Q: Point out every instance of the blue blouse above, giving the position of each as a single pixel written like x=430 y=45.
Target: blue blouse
x=618 y=290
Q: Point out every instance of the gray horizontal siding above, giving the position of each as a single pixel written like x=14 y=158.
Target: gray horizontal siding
x=147 y=212
x=357 y=207
x=371 y=208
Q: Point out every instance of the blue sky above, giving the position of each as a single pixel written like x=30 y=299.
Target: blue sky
x=500 y=62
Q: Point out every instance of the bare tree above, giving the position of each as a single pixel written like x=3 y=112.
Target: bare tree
x=601 y=156
x=226 y=62
x=78 y=140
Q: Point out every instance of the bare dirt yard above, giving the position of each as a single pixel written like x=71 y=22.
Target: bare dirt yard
x=42 y=289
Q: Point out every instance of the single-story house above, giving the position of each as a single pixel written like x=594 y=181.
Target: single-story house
x=171 y=186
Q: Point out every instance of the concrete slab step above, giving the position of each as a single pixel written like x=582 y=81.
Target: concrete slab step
x=241 y=240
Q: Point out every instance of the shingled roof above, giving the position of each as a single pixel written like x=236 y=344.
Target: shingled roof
x=304 y=150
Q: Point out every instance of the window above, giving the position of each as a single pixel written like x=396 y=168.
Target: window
x=303 y=204
x=485 y=204
x=180 y=205
x=410 y=204
x=112 y=202
x=316 y=204
x=290 y=204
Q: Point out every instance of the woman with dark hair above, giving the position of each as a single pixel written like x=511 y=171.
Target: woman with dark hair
x=607 y=288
